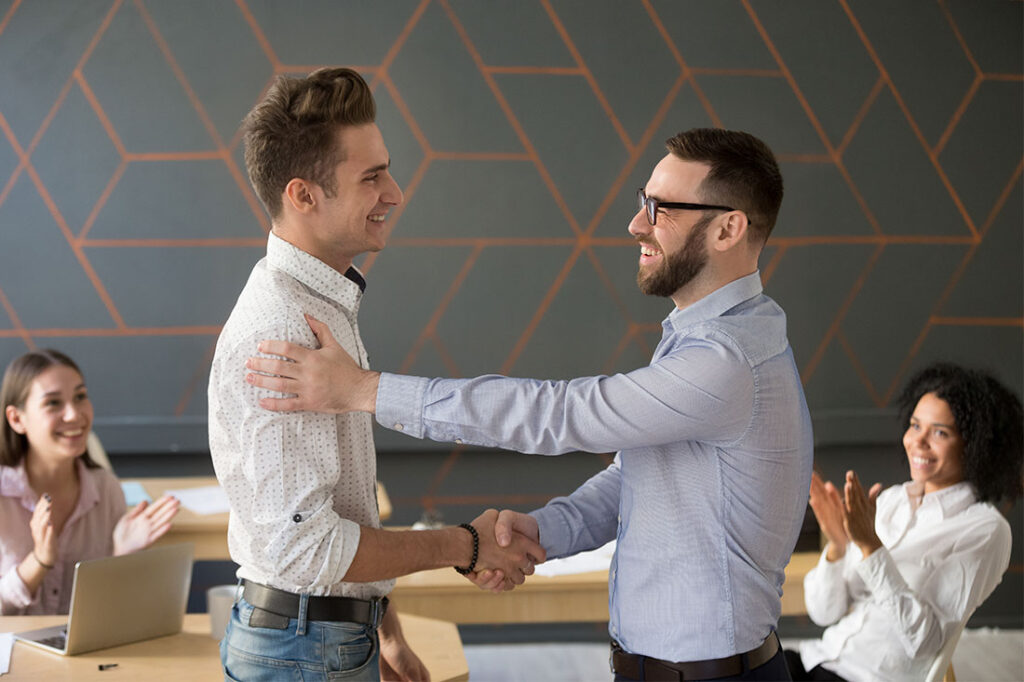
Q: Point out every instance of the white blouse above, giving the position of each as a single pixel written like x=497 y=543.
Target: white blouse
x=891 y=613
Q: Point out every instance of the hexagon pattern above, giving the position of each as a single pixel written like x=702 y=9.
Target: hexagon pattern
x=519 y=130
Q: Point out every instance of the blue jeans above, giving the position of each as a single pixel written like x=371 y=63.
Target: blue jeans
x=307 y=650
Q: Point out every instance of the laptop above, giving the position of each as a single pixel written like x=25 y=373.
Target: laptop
x=121 y=599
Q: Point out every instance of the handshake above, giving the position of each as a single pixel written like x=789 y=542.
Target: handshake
x=509 y=548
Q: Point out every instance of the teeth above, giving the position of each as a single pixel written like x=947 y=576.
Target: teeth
x=72 y=434
x=376 y=218
x=920 y=461
x=648 y=250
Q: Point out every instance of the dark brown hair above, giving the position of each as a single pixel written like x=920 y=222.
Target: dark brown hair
x=744 y=174
x=17 y=383
x=293 y=131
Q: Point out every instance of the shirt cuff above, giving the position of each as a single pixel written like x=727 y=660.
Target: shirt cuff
x=554 y=532
x=350 y=532
x=879 y=573
x=14 y=594
x=400 y=403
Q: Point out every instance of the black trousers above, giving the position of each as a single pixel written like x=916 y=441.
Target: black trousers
x=774 y=670
x=817 y=673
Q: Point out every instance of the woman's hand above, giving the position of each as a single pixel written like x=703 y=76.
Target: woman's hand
x=828 y=510
x=143 y=525
x=860 y=514
x=44 y=537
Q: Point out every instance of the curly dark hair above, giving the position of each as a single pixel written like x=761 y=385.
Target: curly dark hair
x=990 y=421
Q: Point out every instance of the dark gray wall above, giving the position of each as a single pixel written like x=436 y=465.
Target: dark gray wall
x=519 y=131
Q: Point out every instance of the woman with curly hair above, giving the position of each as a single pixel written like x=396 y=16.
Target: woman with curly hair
x=57 y=506
x=905 y=567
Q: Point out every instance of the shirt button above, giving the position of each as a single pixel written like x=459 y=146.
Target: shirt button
x=458 y=441
x=399 y=427
x=297 y=518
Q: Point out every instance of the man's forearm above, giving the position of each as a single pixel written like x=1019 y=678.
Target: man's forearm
x=385 y=554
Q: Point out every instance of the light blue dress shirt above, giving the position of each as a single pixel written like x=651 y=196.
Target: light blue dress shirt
x=708 y=490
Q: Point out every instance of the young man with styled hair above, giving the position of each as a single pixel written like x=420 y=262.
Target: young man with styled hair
x=304 y=528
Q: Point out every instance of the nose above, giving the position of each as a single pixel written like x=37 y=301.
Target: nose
x=919 y=438
x=639 y=225
x=72 y=412
x=392 y=194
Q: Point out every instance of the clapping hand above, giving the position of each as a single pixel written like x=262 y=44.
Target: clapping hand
x=828 y=509
x=509 y=549
x=860 y=514
x=44 y=536
x=847 y=518
x=143 y=525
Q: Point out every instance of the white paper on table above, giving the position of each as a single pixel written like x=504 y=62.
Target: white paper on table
x=208 y=499
x=6 y=644
x=599 y=559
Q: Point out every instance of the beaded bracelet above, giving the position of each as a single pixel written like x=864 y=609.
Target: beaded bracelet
x=476 y=549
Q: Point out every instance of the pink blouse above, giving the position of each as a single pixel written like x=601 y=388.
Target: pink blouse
x=87 y=534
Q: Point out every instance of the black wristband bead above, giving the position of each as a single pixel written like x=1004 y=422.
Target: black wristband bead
x=476 y=549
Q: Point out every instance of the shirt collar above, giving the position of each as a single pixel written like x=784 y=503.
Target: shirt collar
x=717 y=302
x=14 y=480
x=947 y=502
x=346 y=290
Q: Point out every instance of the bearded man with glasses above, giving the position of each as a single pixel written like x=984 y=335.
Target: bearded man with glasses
x=709 y=486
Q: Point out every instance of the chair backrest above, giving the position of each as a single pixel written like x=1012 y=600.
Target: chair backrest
x=943 y=660
x=96 y=451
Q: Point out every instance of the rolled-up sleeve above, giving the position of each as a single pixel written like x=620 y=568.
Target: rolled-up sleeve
x=14 y=594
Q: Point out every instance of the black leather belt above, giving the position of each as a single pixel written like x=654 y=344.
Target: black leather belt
x=335 y=609
x=656 y=670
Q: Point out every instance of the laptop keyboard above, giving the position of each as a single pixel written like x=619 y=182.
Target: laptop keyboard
x=57 y=642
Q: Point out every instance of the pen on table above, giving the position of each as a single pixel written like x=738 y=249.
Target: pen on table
x=106 y=666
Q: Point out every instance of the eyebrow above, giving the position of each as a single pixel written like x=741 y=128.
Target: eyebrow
x=378 y=168
x=945 y=426
x=49 y=393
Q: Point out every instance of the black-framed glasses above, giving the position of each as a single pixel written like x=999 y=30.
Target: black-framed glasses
x=652 y=205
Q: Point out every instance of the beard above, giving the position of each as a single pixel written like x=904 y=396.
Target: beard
x=677 y=269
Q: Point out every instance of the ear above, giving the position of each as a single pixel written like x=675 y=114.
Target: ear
x=14 y=419
x=298 y=194
x=729 y=230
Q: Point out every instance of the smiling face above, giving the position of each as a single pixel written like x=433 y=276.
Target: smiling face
x=674 y=251
x=935 y=448
x=56 y=416
x=355 y=219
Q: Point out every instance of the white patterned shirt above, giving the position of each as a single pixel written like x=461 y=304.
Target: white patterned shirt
x=300 y=484
x=892 y=612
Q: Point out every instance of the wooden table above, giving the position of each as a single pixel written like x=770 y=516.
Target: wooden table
x=209 y=533
x=583 y=597
x=193 y=654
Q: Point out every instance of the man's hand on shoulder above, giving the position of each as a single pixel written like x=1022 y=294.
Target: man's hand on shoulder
x=326 y=379
x=518 y=536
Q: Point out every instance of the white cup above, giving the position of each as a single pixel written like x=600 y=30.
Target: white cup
x=219 y=600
